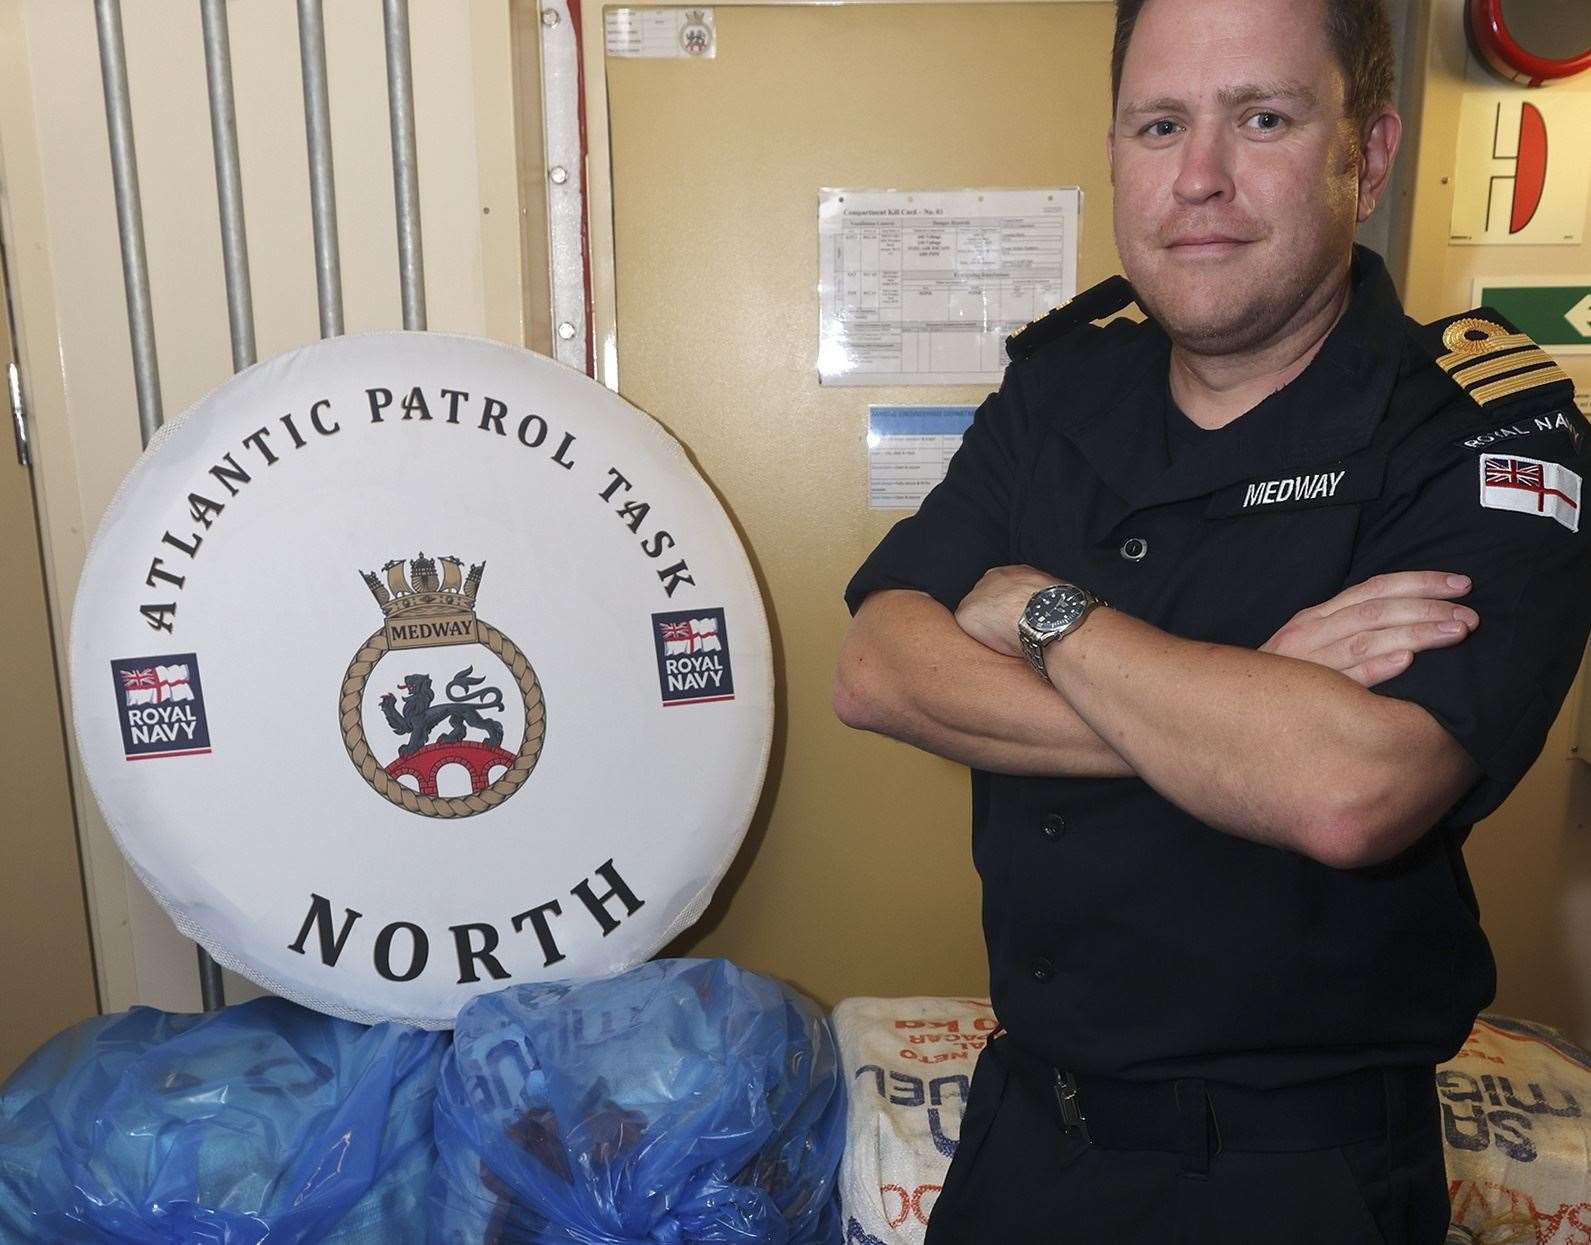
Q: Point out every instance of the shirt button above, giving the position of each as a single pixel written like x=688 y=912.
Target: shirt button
x=1042 y=968
x=1135 y=549
x=1053 y=827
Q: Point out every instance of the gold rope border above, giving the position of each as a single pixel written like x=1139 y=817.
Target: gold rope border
x=349 y=705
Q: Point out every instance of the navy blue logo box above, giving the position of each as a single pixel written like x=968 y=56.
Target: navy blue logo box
x=693 y=657
x=160 y=705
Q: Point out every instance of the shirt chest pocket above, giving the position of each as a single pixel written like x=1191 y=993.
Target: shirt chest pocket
x=1283 y=543
x=1243 y=577
x=1230 y=567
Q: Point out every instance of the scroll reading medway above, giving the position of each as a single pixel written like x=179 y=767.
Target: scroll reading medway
x=433 y=632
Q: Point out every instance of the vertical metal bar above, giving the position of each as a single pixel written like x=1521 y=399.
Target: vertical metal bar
x=228 y=182
x=566 y=201
x=19 y=421
x=235 y=261
x=135 y=277
x=405 y=179
x=129 y=214
x=212 y=989
x=322 y=192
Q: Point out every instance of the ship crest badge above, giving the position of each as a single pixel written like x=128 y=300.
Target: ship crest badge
x=432 y=634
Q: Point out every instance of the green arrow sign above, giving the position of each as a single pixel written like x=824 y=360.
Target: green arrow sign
x=1555 y=313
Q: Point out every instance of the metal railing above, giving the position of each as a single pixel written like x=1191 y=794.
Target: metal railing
x=234 y=236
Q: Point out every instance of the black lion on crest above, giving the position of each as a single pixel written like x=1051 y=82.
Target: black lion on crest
x=464 y=709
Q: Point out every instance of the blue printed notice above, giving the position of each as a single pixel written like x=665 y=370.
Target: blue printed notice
x=908 y=450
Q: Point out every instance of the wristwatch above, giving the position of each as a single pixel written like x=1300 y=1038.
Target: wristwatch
x=1051 y=613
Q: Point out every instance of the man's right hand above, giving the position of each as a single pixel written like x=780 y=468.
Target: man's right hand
x=1371 y=631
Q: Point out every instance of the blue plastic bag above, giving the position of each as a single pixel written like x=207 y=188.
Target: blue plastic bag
x=684 y=1101
x=260 y=1122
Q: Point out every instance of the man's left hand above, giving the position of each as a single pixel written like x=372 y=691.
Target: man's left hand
x=989 y=613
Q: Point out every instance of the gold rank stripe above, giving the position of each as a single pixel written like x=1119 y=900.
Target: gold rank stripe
x=1537 y=379
x=1477 y=372
x=1493 y=345
x=1040 y=319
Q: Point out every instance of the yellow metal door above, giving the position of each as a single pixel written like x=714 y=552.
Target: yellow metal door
x=46 y=970
x=856 y=876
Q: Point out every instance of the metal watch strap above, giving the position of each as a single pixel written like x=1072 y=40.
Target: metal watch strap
x=1034 y=651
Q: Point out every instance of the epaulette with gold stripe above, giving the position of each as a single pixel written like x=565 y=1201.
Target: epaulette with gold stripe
x=1489 y=358
x=1094 y=303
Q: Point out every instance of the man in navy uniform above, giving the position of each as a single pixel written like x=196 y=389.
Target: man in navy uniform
x=1242 y=616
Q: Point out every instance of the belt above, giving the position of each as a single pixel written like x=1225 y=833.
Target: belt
x=1198 y=1118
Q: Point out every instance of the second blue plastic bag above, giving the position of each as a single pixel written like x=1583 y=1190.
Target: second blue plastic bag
x=684 y=1101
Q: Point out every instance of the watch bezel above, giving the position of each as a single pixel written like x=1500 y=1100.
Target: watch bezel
x=1033 y=639
x=1047 y=618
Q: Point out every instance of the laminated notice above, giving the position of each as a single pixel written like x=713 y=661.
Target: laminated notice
x=661 y=33
x=908 y=451
x=923 y=287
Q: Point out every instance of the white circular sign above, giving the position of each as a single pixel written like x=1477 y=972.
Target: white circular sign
x=407 y=667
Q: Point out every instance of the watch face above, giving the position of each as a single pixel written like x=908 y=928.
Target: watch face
x=1055 y=609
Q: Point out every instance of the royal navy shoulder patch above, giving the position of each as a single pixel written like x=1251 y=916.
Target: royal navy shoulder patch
x=1094 y=303
x=1490 y=359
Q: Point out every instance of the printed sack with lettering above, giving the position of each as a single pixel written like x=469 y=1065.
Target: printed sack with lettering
x=1517 y=1134
x=908 y=1063
x=263 y=1121
x=683 y=1101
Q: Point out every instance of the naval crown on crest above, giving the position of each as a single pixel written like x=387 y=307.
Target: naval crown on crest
x=422 y=592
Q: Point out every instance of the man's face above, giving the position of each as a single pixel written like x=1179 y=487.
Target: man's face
x=1235 y=167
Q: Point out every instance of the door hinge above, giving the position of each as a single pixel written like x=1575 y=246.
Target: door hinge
x=19 y=414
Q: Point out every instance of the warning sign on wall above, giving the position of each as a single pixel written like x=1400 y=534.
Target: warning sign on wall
x=1523 y=171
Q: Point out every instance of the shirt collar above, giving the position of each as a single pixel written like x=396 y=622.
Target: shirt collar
x=1328 y=411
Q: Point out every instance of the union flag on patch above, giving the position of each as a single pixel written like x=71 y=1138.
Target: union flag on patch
x=693 y=657
x=1531 y=486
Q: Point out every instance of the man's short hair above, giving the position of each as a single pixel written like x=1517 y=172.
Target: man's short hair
x=1361 y=37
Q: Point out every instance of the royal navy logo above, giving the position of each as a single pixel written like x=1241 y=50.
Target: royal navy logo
x=420 y=740
x=161 y=706
x=693 y=657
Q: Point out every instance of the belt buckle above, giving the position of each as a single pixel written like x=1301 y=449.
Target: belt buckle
x=1072 y=1120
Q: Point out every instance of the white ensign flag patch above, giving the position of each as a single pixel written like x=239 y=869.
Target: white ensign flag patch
x=1531 y=487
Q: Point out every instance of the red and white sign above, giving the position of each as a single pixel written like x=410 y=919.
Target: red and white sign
x=1523 y=168
x=1531 y=486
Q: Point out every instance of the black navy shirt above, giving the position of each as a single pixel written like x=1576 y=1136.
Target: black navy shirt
x=1125 y=937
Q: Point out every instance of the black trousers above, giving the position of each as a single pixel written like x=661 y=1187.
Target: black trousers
x=1019 y=1178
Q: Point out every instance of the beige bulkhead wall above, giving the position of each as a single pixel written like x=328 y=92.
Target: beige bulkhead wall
x=1531 y=861
x=60 y=224
x=854 y=878
x=857 y=877
x=46 y=964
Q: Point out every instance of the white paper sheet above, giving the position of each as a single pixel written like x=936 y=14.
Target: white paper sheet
x=908 y=449
x=923 y=287
x=661 y=33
